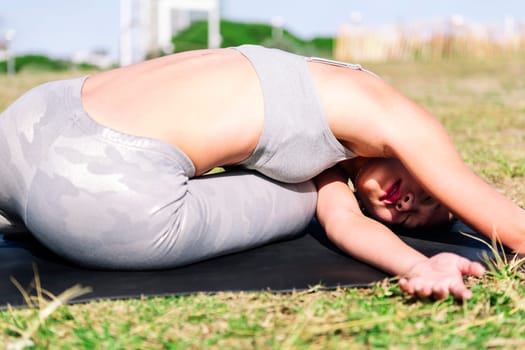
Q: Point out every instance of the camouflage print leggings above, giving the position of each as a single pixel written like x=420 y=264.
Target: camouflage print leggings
x=105 y=199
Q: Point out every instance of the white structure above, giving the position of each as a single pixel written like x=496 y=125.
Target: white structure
x=99 y=58
x=5 y=51
x=148 y=25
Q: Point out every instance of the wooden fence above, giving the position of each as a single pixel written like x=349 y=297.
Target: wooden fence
x=438 y=40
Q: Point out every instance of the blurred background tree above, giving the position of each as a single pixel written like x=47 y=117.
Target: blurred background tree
x=236 y=33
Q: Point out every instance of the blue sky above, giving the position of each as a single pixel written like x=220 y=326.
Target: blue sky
x=61 y=27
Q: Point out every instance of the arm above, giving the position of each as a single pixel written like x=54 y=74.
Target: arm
x=384 y=123
x=370 y=241
x=358 y=235
x=427 y=152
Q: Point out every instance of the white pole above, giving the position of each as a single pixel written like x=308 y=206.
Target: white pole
x=164 y=26
x=144 y=20
x=214 y=34
x=277 y=27
x=9 y=37
x=126 y=48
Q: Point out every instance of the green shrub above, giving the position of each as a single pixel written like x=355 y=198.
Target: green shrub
x=40 y=63
x=234 y=34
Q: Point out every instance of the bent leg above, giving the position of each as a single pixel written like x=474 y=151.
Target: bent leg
x=166 y=221
x=106 y=199
x=235 y=211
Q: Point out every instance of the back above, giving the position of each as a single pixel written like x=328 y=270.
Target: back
x=207 y=103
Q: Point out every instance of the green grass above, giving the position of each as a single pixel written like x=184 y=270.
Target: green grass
x=482 y=104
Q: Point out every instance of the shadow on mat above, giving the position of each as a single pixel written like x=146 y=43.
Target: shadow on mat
x=26 y=241
x=448 y=234
x=295 y=264
x=451 y=233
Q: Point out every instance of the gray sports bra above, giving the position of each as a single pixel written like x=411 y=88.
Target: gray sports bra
x=296 y=143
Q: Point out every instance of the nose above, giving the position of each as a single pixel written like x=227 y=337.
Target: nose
x=405 y=203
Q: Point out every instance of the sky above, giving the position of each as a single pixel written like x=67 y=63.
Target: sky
x=60 y=28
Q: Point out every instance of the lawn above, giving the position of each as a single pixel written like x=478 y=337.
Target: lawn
x=482 y=104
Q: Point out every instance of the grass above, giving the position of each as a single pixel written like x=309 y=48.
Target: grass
x=482 y=104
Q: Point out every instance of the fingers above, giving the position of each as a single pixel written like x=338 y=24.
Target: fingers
x=405 y=287
x=460 y=292
x=440 y=276
x=417 y=286
x=476 y=269
x=470 y=268
x=439 y=291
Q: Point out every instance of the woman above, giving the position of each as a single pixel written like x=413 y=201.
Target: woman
x=106 y=170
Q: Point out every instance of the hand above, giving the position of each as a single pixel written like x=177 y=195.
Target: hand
x=440 y=275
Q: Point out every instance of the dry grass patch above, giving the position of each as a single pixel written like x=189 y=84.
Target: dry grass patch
x=377 y=317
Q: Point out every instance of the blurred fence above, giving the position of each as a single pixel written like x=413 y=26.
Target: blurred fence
x=439 y=39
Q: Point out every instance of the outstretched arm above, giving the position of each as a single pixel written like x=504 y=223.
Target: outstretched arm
x=423 y=146
x=370 y=241
x=375 y=120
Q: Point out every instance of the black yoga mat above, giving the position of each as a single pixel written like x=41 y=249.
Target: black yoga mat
x=283 y=266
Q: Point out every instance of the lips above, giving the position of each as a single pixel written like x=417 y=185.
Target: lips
x=392 y=194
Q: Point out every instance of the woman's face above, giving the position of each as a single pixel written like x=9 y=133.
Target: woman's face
x=390 y=194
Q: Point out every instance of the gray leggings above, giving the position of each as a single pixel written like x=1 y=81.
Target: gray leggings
x=105 y=199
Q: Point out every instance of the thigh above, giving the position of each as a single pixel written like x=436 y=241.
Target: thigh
x=105 y=199
x=176 y=222
x=234 y=211
x=107 y=212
